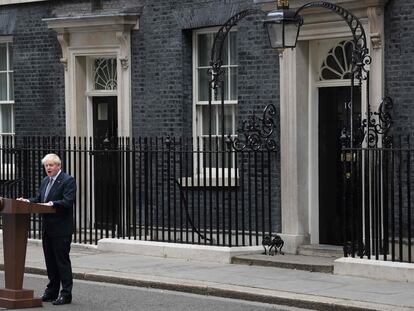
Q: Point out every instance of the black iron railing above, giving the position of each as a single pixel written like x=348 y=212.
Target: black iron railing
x=378 y=200
x=187 y=190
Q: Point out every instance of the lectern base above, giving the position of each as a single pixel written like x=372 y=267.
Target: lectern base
x=18 y=299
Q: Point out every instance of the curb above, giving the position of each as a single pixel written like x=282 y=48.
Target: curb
x=285 y=265
x=233 y=291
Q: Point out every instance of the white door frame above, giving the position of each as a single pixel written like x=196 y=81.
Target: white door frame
x=85 y=37
x=89 y=36
x=318 y=50
x=299 y=176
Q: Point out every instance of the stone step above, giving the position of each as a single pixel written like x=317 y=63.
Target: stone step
x=299 y=262
x=321 y=250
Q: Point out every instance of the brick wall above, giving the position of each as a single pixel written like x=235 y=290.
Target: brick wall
x=399 y=62
x=162 y=67
x=161 y=64
x=162 y=79
x=38 y=75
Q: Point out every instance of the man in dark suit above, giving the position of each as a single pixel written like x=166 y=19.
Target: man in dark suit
x=57 y=189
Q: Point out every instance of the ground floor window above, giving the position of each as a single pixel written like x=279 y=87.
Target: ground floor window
x=6 y=88
x=212 y=120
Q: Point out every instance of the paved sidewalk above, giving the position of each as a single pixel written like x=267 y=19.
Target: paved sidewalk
x=304 y=289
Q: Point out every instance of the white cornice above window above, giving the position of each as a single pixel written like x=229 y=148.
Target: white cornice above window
x=91 y=23
x=321 y=20
x=6 y=2
x=83 y=39
x=95 y=30
x=357 y=7
x=4 y=39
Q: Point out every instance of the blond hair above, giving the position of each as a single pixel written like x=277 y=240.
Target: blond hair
x=52 y=157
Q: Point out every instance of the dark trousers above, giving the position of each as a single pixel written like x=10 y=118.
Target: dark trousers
x=58 y=265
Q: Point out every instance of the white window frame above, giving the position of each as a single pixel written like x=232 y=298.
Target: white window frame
x=7 y=170
x=90 y=83
x=8 y=71
x=216 y=173
x=91 y=92
x=197 y=115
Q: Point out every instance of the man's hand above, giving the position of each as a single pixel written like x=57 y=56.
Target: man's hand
x=50 y=203
x=22 y=199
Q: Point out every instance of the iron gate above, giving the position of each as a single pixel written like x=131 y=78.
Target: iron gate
x=377 y=195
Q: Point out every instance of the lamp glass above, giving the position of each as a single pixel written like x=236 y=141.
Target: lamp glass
x=282 y=28
x=275 y=33
x=291 y=34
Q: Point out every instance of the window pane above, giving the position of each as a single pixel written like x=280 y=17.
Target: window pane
x=212 y=158
x=10 y=56
x=216 y=156
x=328 y=74
x=105 y=75
x=205 y=111
x=102 y=111
x=225 y=52
x=11 y=86
x=204 y=45
x=3 y=86
x=206 y=125
x=332 y=62
x=3 y=56
x=233 y=48
x=228 y=119
x=233 y=83
x=226 y=85
x=6 y=118
x=203 y=84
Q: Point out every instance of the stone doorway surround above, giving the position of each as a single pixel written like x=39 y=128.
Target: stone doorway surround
x=85 y=37
x=299 y=181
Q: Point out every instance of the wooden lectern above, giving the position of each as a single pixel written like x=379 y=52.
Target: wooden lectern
x=16 y=221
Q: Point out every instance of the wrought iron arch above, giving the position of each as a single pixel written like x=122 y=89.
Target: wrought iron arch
x=255 y=132
x=359 y=65
x=215 y=61
x=376 y=123
x=360 y=55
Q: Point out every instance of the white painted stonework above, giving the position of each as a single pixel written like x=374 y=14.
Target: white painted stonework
x=82 y=39
x=299 y=106
x=175 y=250
x=7 y=2
x=375 y=269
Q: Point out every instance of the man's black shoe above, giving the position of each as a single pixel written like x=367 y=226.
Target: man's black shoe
x=62 y=300
x=47 y=297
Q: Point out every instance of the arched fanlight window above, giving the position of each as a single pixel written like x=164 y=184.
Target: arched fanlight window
x=105 y=74
x=338 y=63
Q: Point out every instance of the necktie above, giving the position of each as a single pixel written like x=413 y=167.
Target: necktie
x=49 y=185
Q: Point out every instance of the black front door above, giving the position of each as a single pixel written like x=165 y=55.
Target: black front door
x=332 y=118
x=106 y=175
